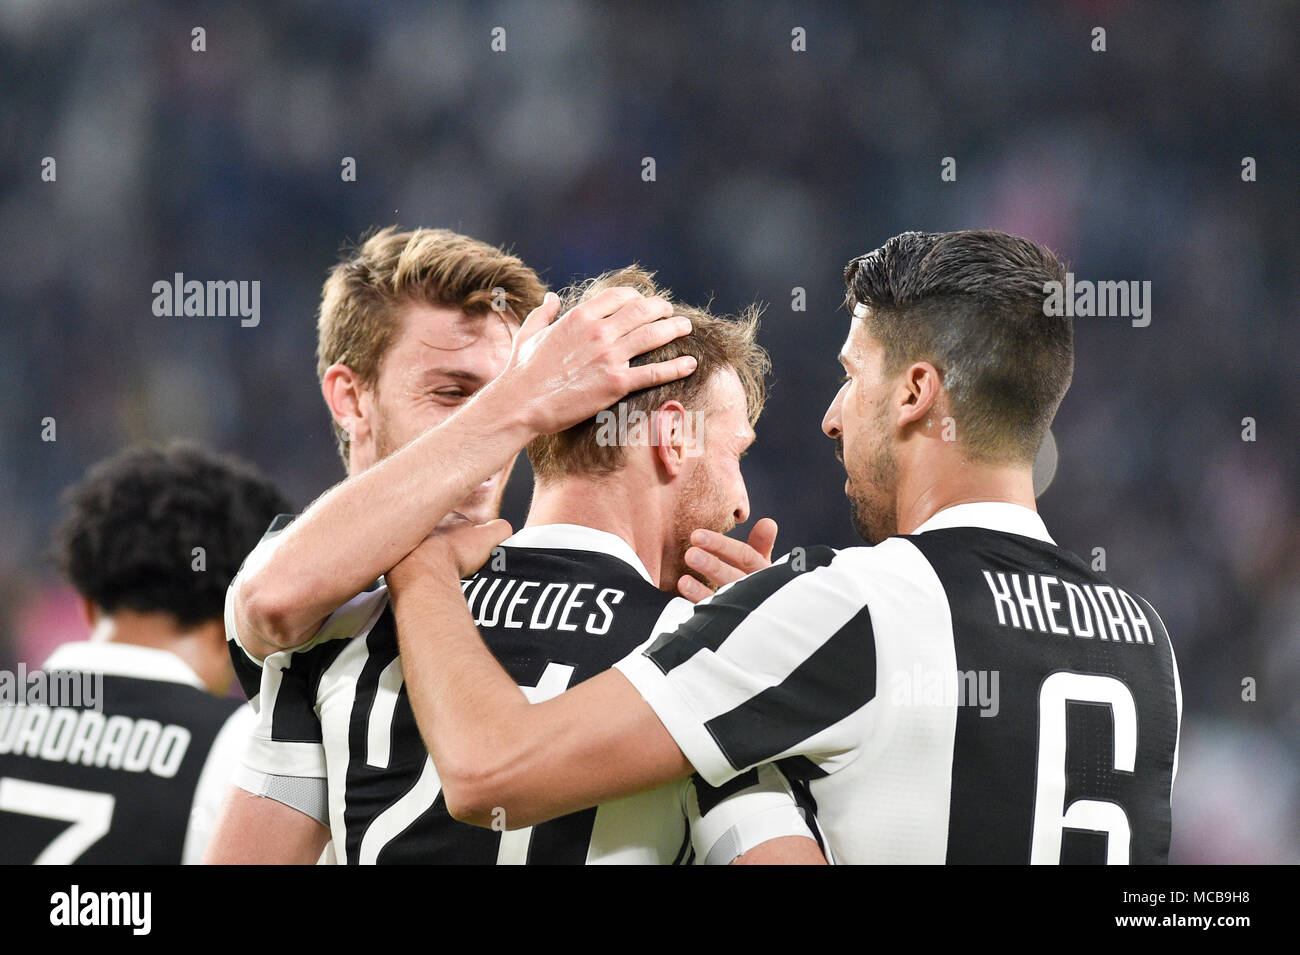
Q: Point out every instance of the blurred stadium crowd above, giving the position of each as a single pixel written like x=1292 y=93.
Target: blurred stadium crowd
x=772 y=169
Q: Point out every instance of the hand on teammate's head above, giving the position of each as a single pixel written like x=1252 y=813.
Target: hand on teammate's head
x=566 y=368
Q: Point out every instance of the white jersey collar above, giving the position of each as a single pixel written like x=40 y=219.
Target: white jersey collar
x=991 y=515
x=578 y=537
x=122 y=659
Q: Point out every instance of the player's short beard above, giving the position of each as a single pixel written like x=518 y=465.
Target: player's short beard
x=384 y=443
x=702 y=505
x=873 y=493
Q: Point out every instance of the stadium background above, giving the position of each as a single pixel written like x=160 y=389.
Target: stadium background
x=773 y=169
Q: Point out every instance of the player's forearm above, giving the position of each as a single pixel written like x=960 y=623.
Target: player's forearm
x=363 y=526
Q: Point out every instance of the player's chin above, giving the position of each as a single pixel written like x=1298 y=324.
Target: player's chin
x=722 y=525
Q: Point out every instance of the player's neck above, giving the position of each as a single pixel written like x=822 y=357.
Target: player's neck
x=605 y=504
x=201 y=648
x=924 y=492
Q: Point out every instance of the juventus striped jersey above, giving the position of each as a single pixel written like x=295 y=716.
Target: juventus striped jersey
x=135 y=776
x=970 y=693
x=556 y=605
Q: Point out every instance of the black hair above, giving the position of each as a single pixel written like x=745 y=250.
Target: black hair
x=972 y=304
x=129 y=536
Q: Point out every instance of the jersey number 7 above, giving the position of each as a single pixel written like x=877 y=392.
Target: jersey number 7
x=90 y=813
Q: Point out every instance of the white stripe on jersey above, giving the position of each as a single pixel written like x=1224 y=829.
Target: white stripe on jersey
x=379 y=730
x=335 y=697
x=514 y=845
x=396 y=818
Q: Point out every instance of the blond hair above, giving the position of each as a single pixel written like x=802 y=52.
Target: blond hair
x=715 y=342
x=361 y=298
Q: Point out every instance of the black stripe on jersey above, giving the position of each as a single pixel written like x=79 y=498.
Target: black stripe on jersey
x=247 y=672
x=562 y=841
x=802 y=768
x=686 y=854
x=710 y=796
x=838 y=679
x=803 y=796
x=718 y=619
x=293 y=717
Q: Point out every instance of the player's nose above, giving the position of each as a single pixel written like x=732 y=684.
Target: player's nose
x=741 y=513
x=831 y=420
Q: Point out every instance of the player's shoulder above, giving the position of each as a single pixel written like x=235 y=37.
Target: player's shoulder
x=818 y=590
x=1137 y=607
x=861 y=572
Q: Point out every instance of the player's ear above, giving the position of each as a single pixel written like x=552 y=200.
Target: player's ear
x=342 y=391
x=919 y=392
x=669 y=437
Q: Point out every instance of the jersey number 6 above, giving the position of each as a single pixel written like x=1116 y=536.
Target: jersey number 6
x=1051 y=816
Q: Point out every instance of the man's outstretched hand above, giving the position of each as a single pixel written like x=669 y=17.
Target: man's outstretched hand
x=457 y=546
x=720 y=559
x=565 y=369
